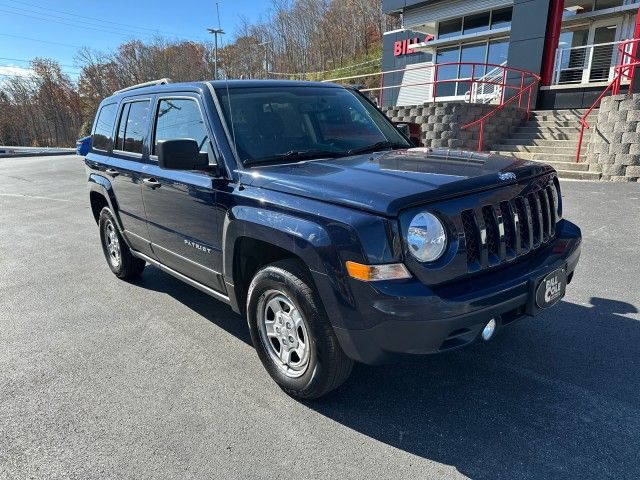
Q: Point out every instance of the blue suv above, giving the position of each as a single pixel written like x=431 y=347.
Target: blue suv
x=306 y=210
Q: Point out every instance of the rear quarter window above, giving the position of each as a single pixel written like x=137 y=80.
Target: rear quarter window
x=102 y=138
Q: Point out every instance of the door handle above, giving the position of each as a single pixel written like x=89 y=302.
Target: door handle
x=112 y=171
x=151 y=183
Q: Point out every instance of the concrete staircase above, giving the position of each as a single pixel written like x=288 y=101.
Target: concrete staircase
x=551 y=136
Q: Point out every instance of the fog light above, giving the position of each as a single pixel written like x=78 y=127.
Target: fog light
x=489 y=329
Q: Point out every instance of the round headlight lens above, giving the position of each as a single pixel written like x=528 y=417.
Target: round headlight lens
x=426 y=237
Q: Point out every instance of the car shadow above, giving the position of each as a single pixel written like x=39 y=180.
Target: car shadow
x=213 y=310
x=556 y=396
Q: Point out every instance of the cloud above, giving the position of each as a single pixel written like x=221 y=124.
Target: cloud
x=14 y=70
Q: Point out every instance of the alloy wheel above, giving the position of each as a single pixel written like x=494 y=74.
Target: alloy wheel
x=284 y=333
x=113 y=244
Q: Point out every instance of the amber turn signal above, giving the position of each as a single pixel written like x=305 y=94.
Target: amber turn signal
x=371 y=273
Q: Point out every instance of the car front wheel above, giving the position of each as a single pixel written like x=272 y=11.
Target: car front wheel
x=292 y=334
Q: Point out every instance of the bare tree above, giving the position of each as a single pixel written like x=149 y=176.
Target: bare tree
x=298 y=37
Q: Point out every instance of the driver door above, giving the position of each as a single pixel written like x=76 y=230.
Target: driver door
x=180 y=205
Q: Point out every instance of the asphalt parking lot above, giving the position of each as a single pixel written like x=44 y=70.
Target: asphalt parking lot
x=100 y=378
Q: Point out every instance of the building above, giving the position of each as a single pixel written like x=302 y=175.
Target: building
x=570 y=44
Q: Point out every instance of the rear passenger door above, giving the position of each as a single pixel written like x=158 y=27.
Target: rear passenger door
x=180 y=205
x=123 y=168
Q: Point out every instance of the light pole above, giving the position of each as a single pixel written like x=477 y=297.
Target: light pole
x=215 y=32
x=266 y=58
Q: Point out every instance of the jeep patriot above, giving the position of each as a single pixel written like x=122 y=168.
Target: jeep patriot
x=306 y=210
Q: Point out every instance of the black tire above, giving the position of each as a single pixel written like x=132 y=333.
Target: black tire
x=124 y=265
x=328 y=366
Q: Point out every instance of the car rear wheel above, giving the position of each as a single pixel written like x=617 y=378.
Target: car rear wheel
x=292 y=334
x=118 y=255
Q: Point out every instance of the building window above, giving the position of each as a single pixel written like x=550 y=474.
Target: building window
x=450 y=28
x=501 y=18
x=497 y=54
x=573 y=7
x=447 y=72
x=478 y=22
x=492 y=52
x=602 y=4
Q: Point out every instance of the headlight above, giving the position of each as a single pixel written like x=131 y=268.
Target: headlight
x=426 y=237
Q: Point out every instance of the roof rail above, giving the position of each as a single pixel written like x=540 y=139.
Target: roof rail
x=162 y=81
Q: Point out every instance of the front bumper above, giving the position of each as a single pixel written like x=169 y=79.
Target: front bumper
x=407 y=317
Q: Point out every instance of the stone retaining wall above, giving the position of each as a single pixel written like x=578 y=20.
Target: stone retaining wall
x=442 y=121
x=614 y=144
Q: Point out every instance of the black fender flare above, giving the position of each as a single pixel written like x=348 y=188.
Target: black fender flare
x=102 y=185
x=304 y=238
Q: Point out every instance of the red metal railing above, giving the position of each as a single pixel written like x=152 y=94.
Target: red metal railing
x=624 y=70
x=526 y=85
x=482 y=83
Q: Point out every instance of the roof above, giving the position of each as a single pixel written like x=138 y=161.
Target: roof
x=268 y=83
x=198 y=86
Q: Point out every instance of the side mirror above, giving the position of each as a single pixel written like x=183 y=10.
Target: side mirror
x=404 y=129
x=181 y=154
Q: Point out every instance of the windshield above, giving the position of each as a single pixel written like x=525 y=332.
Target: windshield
x=294 y=123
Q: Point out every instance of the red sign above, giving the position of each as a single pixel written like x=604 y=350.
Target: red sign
x=401 y=47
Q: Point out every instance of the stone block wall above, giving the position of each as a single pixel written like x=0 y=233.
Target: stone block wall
x=614 y=144
x=442 y=121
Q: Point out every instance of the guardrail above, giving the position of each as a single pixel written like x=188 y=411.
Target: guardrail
x=13 y=151
x=479 y=82
x=625 y=70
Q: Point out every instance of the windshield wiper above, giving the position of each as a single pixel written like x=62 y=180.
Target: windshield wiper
x=295 y=155
x=384 y=145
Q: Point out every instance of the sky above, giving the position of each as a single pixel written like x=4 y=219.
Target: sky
x=57 y=29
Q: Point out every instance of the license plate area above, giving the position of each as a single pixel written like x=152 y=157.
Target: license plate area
x=551 y=288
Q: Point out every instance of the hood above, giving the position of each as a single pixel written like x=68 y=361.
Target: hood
x=387 y=182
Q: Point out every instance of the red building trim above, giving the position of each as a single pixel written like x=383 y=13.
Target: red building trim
x=554 y=24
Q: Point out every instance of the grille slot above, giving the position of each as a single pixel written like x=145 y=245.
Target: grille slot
x=512 y=227
x=493 y=235
x=471 y=233
x=551 y=201
x=536 y=217
x=509 y=223
x=546 y=220
x=524 y=219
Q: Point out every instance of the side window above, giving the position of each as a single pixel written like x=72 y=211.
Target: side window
x=180 y=118
x=102 y=138
x=135 y=127
x=122 y=124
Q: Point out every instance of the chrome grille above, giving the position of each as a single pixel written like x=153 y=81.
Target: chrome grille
x=500 y=232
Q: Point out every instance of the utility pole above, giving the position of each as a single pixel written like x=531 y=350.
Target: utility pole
x=266 y=57
x=216 y=32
